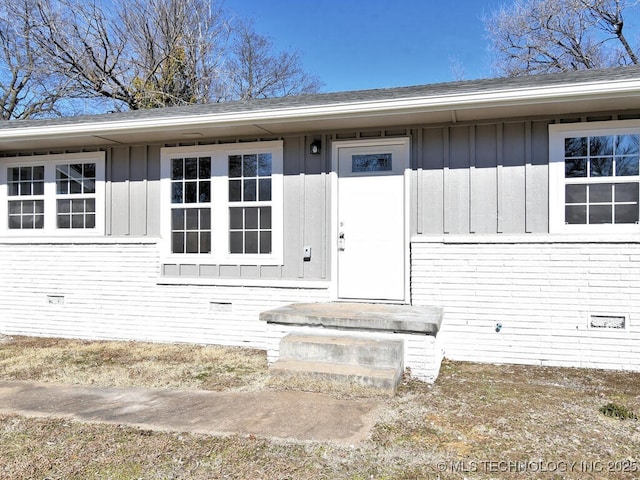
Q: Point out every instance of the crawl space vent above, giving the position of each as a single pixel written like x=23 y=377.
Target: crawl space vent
x=607 y=321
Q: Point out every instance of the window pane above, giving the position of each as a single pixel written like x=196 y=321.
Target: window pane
x=190 y=168
x=265 y=217
x=90 y=221
x=25 y=173
x=38 y=173
x=251 y=218
x=177 y=242
x=89 y=186
x=264 y=186
x=626 y=192
x=15 y=208
x=176 y=192
x=205 y=219
x=264 y=165
x=13 y=189
x=27 y=222
x=626 y=166
x=575 y=193
x=249 y=165
x=64 y=206
x=39 y=206
x=600 y=193
x=575 y=168
x=39 y=221
x=575 y=214
x=177 y=219
x=64 y=221
x=205 y=242
x=77 y=206
x=627 y=145
x=192 y=242
x=575 y=147
x=192 y=219
x=251 y=242
x=599 y=214
x=75 y=186
x=601 y=167
x=25 y=188
x=38 y=188
x=27 y=207
x=176 y=169
x=235 y=219
x=62 y=187
x=205 y=168
x=14 y=222
x=77 y=221
x=235 y=242
x=265 y=242
x=235 y=166
x=601 y=146
x=90 y=205
x=75 y=171
x=205 y=192
x=89 y=170
x=235 y=191
x=250 y=194
x=13 y=174
x=191 y=192
x=626 y=213
x=62 y=172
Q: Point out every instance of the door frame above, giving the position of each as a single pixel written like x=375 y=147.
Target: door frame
x=404 y=142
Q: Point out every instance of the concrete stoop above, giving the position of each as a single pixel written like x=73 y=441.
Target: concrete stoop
x=369 y=362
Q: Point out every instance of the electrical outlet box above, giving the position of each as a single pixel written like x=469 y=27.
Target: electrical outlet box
x=307 y=254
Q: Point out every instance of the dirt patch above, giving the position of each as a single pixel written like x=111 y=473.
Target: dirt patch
x=477 y=421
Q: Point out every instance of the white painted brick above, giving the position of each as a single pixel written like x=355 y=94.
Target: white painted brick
x=542 y=293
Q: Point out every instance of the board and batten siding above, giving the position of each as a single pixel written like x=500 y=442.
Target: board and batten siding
x=481 y=179
x=133 y=210
x=112 y=289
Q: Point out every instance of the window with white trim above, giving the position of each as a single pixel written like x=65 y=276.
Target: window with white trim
x=223 y=203
x=52 y=194
x=594 y=173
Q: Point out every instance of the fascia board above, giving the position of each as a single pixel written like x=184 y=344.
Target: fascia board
x=422 y=104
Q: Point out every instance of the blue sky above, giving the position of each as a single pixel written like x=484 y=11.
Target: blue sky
x=360 y=44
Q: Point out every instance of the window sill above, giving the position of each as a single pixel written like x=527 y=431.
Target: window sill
x=85 y=239
x=245 y=282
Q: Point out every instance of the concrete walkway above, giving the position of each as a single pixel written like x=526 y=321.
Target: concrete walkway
x=285 y=415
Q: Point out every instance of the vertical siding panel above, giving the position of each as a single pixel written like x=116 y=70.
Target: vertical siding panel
x=138 y=191
x=512 y=186
x=433 y=164
x=538 y=180
x=457 y=201
x=120 y=191
x=484 y=182
x=417 y=183
x=292 y=207
x=153 y=191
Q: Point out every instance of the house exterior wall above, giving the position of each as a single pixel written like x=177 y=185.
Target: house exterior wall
x=530 y=300
x=480 y=249
x=112 y=289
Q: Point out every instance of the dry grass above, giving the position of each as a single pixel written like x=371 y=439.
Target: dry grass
x=539 y=422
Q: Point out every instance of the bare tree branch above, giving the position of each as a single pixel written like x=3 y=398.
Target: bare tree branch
x=540 y=36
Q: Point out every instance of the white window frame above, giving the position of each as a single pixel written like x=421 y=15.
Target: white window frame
x=50 y=196
x=220 y=204
x=557 y=182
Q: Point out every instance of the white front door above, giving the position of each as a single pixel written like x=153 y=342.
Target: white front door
x=371 y=219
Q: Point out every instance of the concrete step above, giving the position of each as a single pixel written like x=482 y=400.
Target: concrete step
x=349 y=350
x=384 y=379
